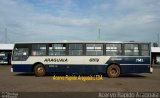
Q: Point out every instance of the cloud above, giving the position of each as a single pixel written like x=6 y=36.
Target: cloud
x=79 y=20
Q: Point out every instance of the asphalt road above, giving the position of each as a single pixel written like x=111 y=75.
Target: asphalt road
x=23 y=82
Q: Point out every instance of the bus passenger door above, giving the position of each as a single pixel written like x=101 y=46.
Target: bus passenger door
x=19 y=60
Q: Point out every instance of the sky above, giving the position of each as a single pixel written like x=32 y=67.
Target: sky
x=58 y=20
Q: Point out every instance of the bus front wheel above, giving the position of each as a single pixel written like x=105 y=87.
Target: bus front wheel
x=39 y=70
x=113 y=71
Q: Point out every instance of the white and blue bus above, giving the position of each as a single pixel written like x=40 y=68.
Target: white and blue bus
x=111 y=58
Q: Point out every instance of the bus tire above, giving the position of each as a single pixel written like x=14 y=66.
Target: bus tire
x=113 y=71
x=39 y=70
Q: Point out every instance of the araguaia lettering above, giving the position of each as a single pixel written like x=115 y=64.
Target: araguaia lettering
x=55 y=60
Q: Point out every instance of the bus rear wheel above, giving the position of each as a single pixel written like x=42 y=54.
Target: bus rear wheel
x=113 y=71
x=39 y=70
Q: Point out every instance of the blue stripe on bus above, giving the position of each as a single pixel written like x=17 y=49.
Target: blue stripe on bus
x=129 y=60
x=92 y=69
x=125 y=69
x=22 y=67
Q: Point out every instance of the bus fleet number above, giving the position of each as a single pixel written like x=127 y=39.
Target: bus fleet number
x=94 y=60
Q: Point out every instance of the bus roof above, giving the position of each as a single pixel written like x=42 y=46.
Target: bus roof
x=6 y=46
x=81 y=42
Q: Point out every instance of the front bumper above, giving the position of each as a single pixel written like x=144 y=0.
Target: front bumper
x=11 y=69
x=151 y=70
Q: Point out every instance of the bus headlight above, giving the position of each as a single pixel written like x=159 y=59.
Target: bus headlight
x=11 y=69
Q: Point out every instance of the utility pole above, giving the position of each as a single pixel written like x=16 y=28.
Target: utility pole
x=5 y=36
x=99 y=34
x=158 y=39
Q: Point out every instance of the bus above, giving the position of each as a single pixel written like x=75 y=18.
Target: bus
x=5 y=53
x=91 y=57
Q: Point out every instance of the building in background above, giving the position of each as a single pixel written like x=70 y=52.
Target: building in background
x=5 y=53
x=155 y=52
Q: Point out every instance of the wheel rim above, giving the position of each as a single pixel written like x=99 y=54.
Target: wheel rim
x=40 y=70
x=113 y=71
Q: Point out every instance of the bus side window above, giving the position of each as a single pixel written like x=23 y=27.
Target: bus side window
x=113 y=49
x=75 y=49
x=57 y=49
x=131 y=50
x=145 y=50
x=94 y=49
x=39 y=49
